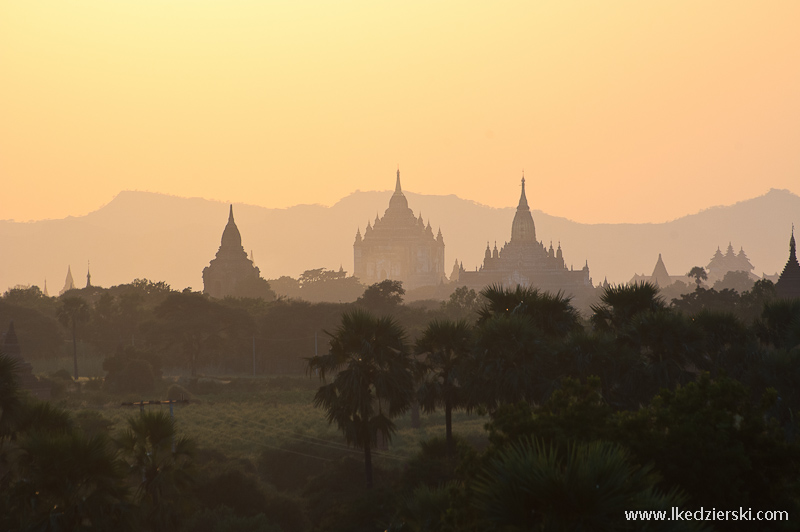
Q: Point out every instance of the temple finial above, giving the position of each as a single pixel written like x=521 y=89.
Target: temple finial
x=230 y=214
x=397 y=189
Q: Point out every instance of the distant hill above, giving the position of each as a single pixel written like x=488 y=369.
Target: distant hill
x=161 y=237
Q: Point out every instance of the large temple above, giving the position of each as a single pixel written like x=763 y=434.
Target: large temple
x=788 y=284
x=231 y=273
x=525 y=261
x=400 y=247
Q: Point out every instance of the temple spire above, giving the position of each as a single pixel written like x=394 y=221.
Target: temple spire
x=397 y=189
x=792 y=246
x=88 y=275
x=230 y=215
x=523 y=201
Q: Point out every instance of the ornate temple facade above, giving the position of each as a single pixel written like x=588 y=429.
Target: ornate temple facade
x=400 y=247
x=788 y=284
x=524 y=260
x=230 y=273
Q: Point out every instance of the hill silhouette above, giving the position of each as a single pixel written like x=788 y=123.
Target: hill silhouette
x=169 y=238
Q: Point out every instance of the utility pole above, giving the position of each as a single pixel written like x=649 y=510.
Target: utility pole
x=254 y=355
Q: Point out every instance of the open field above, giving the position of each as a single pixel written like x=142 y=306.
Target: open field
x=242 y=416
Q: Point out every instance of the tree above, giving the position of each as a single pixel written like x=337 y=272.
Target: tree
x=382 y=296
x=446 y=345
x=589 y=486
x=463 y=302
x=161 y=464
x=699 y=274
x=195 y=322
x=374 y=380
x=73 y=310
x=66 y=482
x=619 y=304
x=10 y=403
x=552 y=314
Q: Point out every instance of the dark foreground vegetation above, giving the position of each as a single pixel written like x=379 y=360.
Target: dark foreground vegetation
x=640 y=405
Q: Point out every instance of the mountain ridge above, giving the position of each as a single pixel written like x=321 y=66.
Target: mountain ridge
x=172 y=238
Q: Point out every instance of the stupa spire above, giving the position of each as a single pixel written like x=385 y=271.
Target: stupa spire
x=523 y=200
x=397 y=188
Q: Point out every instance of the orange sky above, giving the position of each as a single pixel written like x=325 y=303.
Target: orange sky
x=618 y=111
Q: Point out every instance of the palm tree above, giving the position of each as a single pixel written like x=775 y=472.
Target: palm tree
x=619 y=304
x=509 y=363
x=67 y=481
x=445 y=344
x=374 y=380
x=531 y=486
x=552 y=314
x=73 y=310
x=161 y=465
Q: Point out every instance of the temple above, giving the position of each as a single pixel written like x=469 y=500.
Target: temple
x=525 y=261
x=729 y=262
x=69 y=284
x=399 y=246
x=788 y=285
x=660 y=276
x=231 y=273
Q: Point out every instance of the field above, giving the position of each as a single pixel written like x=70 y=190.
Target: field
x=240 y=416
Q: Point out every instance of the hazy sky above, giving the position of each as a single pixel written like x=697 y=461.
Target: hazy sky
x=618 y=111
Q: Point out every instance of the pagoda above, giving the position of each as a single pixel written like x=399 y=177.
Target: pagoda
x=788 y=285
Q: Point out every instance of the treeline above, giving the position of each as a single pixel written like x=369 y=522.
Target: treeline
x=643 y=407
x=145 y=327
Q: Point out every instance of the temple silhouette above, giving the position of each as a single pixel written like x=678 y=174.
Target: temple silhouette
x=729 y=262
x=788 y=284
x=231 y=273
x=525 y=261
x=400 y=247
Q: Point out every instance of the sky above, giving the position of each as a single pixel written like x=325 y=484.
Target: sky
x=617 y=111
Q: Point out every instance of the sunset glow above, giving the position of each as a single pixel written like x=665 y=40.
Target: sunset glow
x=617 y=111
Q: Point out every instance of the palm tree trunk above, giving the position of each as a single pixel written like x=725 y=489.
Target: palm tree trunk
x=448 y=428
x=368 y=463
x=74 y=350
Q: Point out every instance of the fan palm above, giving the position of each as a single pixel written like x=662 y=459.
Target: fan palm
x=374 y=380
x=73 y=310
x=446 y=344
x=67 y=482
x=531 y=486
x=161 y=463
x=619 y=304
x=553 y=314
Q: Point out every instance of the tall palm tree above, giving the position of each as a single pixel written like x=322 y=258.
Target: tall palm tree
x=161 y=464
x=73 y=310
x=552 y=314
x=446 y=344
x=510 y=363
x=619 y=304
x=374 y=380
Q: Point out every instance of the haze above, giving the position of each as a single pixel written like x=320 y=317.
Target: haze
x=618 y=112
